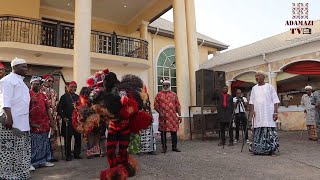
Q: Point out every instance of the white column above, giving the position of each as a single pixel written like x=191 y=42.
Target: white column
x=229 y=83
x=183 y=83
x=180 y=39
x=144 y=30
x=193 y=52
x=82 y=33
x=273 y=82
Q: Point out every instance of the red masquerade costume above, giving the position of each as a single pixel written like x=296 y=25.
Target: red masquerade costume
x=120 y=105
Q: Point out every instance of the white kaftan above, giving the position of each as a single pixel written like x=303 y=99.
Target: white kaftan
x=263 y=98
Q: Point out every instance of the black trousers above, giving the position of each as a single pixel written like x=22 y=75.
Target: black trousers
x=77 y=144
x=174 y=138
x=241 y=118
x=223 y=126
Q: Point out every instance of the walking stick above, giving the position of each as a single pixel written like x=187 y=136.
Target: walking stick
x=246 y=131
x=246 y=128
x=59 y=134
x=66 y=139
x=164 y=134
x=252 y=144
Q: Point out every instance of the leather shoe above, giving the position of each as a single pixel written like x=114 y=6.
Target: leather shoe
x=54 y=160
x=78 y=157
x=164 y=150
x=152 y=153
x=69 y=158
x=176 y=150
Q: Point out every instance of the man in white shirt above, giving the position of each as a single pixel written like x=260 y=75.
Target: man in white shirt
x=264 y=101
x=240 y=103
x=15 y=151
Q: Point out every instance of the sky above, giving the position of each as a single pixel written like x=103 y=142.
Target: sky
x=241 y=22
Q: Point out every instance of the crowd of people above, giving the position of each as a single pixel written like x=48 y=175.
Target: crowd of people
x=31 y=120
x=264 y=107
x=112 y=114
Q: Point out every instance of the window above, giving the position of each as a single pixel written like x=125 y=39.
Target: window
x=166 y=68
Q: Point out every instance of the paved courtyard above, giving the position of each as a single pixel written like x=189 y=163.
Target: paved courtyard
x=298 y=159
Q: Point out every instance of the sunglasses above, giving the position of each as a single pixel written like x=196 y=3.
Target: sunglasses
x=36 y=84
x=50 y=81
x=165 y=85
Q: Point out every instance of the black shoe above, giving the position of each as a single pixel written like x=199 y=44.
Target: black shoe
x=164 y=149
x=152 y=153
x=77 y=157
x=69 y=158
x=54 y=160
x=221 y=143
x=176 y=150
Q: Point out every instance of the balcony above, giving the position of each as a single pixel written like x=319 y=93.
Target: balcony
x=54 y=34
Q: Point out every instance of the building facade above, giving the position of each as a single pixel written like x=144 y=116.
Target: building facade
x=80 y=37
x=289 y=61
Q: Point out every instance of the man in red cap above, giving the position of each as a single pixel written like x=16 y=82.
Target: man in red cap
x=65 y=109
x=2 y=70
x=52 y=97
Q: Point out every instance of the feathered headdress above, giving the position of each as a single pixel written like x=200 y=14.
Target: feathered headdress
x=96 y=80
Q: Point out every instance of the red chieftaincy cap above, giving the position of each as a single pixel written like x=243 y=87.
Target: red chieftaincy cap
x=72 y=82
x=46 y=76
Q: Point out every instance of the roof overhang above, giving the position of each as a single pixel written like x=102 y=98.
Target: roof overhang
x=170 y=34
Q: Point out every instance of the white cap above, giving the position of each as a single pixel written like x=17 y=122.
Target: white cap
x=308 y=87
x=166 y=82
x=35 y=78
x=17 y=61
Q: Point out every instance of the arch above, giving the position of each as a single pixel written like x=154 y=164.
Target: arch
x=244 y=72
x=300 y=60
x=165 y=68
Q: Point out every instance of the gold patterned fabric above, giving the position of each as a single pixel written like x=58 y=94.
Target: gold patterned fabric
x=312 y=132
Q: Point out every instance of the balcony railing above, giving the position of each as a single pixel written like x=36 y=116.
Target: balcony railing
x=50 y=33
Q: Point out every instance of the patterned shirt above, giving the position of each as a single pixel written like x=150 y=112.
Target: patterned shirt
x=310 y=109
x=52 y=97
x=167 y=105
x=38 y=112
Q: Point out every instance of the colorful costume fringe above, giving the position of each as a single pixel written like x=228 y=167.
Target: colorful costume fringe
x=118 y=104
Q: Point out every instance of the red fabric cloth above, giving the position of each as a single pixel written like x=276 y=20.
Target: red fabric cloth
x=141 y=120
x=38 y=112
x=224 y=100
x=1 y=65
x=304 y=67
x=237 y=84
x=72 y=82
x=46 y=76
x=167 y=103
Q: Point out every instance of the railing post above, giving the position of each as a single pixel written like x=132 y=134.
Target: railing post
x=114 y=43
x=58 y=35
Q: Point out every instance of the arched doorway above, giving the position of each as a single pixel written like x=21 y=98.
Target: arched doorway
x=166 y=68
x=294 y=77
x=244 y=81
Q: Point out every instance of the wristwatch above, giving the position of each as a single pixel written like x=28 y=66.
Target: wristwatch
x=275 y=113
